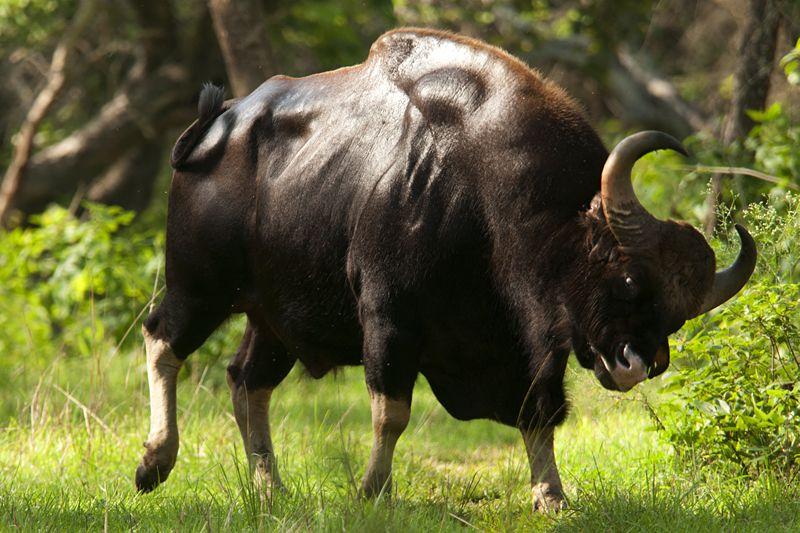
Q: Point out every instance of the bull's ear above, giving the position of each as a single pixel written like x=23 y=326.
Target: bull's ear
x=209 y=106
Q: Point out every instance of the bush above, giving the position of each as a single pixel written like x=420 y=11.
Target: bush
x=736 y=397
x=68 y=284
x=79 y=287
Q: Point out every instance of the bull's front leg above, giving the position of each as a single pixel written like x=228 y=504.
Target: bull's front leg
x=162 y=442
x=389 y=420
x=546 y=487
x=390 y=367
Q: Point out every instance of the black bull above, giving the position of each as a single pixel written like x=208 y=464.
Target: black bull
x=439 y=209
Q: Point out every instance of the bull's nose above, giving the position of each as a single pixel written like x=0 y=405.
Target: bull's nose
x=629 y=369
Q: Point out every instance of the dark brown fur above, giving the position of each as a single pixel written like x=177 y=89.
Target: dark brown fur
x=428 y=211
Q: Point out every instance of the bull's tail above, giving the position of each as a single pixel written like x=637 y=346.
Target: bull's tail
x=210 y=105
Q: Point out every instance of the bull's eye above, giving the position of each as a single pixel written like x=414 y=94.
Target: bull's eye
x=627 y=289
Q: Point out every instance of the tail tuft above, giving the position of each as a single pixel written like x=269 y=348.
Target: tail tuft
x=209 y=107
x=210 y=102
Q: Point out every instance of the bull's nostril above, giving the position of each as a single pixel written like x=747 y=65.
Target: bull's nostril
x=623 y=361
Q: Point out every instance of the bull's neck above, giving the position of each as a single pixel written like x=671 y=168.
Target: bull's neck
x=565 y=249
x=539 y=264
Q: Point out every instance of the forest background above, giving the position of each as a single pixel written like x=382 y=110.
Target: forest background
x=94 y=95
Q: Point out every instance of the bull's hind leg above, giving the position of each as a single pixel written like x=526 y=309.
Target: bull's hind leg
x=259 y=366
x=173 y=331
x=390 y=366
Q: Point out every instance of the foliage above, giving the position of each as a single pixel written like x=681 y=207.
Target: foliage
x=522 y=26
x=32 y=22
x=80 y=287
x=791 y=64
x=774 y=142
x=68 y=284
x=327 y=34
x=736 y=399
x=668 y=190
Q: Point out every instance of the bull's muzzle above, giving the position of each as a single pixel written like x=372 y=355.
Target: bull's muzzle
x=629 y=369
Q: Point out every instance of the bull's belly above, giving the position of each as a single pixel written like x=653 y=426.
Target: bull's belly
x=490 y=392
x=471 y=378
x=316 y=323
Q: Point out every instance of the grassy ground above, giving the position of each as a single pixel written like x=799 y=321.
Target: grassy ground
x=73 y=428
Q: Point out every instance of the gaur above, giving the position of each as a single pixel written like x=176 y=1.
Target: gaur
x=440 y=209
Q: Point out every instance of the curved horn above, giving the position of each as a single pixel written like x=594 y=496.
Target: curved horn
x=626 y=217
x=729 y=281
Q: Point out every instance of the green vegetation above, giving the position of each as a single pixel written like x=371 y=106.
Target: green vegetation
x=68 y=454
x=737 y=400
x=712 y=445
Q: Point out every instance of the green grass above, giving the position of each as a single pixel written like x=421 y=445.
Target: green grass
x=73 y=428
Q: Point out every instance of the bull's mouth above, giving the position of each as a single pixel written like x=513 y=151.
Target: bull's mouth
x=627 y=370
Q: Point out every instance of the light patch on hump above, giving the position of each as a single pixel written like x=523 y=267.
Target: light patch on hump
x=409 y=56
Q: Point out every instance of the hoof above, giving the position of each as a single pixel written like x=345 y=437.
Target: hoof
x=548 y=500
x=268 y=486
x=150 y=473
x=372 y=489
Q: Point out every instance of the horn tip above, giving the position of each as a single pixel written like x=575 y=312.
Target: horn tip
x=748 y=243
x=745 y=235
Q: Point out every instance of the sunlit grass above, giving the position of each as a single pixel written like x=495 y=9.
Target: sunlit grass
x=73 y=430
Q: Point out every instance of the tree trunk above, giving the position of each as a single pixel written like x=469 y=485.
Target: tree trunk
x=751 y=81
x=157 y=24
x=239 y=25
x=129 y=182
x=750 y=84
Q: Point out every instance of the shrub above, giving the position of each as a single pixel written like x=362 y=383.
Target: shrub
x=736 y=397
x=81 y=287
x=69 y=284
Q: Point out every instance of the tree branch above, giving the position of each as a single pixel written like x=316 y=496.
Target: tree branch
x=635 y=94
x=129 y=181
x=41 y=105
x=668 y=106
x=145 y=107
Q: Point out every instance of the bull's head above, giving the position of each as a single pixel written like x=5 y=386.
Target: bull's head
x=645 y=277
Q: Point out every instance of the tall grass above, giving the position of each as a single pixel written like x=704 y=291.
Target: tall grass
x=72 y=436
